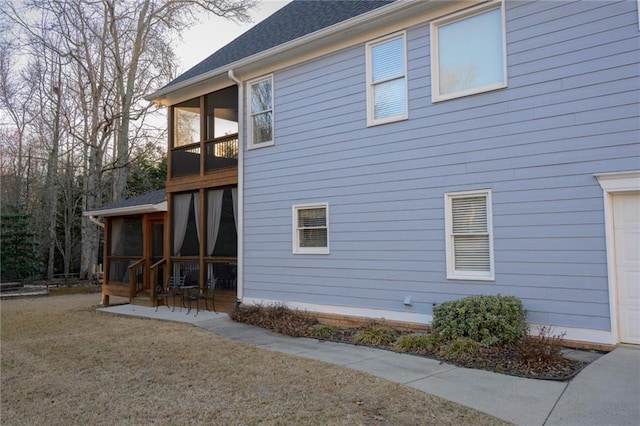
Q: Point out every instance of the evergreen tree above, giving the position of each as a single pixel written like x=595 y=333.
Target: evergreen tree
x=19 y=258
x=147 y=173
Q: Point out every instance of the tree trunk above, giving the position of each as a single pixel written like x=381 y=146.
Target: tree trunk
x=89 y=230
x=52 y=186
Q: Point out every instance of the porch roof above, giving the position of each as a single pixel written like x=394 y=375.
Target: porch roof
x=151 y=202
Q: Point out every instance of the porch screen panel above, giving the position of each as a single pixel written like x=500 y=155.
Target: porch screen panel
x=181 y=204
x=196 y=211
x=234 y=197
x=117 y=269
x=126 y=246
x=186 y=123
x=116 y=234
x=214 y=212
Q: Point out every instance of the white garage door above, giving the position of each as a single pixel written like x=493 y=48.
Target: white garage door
x=626 y=224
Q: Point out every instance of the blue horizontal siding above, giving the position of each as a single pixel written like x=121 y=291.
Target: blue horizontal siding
x=571 y=109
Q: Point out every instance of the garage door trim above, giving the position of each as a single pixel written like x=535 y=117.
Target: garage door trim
x=614 y=183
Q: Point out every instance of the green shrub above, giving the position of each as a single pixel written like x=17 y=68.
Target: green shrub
x=488 y=320
x=376 y=334
x=323 y=331
x=460 y=348
x=415 y=343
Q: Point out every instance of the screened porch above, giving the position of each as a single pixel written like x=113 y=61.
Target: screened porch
x=204 y=239
x=132 y=245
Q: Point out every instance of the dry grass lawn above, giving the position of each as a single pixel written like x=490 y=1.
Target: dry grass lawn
x=64 y=363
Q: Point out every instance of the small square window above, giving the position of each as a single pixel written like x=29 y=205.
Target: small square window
x=311 y=229
x=468 y=53
x=469 y=241
x=386 y=80
x=261 y=112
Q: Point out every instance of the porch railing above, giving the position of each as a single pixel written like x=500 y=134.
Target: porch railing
x=136 y=277
x=187 y=268
x=119 y=268
x=221 y=153
x=224 y=270
x=185 y=160
x=156 y=276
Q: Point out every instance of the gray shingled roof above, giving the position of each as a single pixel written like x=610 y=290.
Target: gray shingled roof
x=296 y=19
x=154 y=197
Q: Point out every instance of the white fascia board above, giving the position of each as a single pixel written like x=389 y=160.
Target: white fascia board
x=287 y=50
x=128 y=211
x=619 y=181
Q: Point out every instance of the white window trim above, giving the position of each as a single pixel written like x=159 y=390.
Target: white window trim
x=250 y=144
x=452 y=274
x=435 y=77
x=371 y=121
x=296 y=238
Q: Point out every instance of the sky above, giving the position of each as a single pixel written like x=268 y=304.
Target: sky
x=211 y=34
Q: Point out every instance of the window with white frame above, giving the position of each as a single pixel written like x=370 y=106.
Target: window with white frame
x=311 y=229
x=469 y=240
x=261 y=112
x=386 y=80
x=468 y=52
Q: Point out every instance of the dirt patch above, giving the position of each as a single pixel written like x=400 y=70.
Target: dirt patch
x=64 y=363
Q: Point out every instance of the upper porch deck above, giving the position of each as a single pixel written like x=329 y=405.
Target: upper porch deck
x=219 y=153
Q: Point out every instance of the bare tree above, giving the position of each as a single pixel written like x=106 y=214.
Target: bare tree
x=110 y=53
x=135 y=58
x=51 y=104
x=16 y=95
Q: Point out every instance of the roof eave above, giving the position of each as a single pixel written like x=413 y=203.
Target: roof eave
x=128 y=211
x=162 y=94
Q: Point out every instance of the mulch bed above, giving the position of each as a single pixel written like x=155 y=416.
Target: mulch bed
x=513 y=360
x=532 y=358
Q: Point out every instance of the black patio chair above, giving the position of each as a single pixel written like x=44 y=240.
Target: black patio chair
x=206 y=293
x=173 y=288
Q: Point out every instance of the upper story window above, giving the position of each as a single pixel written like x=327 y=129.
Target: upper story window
x=311 y=229
x=386 y=80
x=186 y=122
x=468 y=53
x=469 y=240
x=261 y=112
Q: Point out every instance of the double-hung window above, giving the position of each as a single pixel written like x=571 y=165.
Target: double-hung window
x=469 y=241
x=468 y=52
x=386 y=80
x=311 y=229
x=261 y=112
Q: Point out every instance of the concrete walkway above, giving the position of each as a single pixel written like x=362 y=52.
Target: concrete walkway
x=605 y=393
